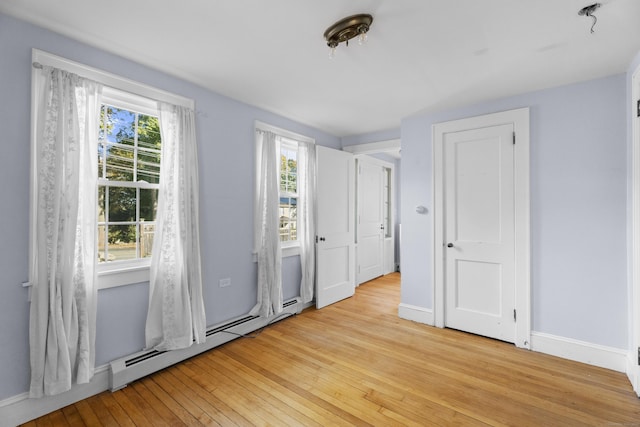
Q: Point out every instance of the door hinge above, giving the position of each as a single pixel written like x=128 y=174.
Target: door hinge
x=514 y=315
x=316 y=239
x=514 y=137
x=638 y=355
x=638 y=112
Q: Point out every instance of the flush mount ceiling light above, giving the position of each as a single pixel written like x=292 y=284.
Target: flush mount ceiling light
x=588 y=11
x=346 y=29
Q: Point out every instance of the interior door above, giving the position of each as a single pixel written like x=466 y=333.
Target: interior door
x=335 y=247
x=370 y=220
x=479 y=231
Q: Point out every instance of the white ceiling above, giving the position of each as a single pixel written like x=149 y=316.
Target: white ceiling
x=422 y=55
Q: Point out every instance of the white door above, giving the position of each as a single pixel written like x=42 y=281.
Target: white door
x=479 y=231
x=370 y=220
x=335 y=247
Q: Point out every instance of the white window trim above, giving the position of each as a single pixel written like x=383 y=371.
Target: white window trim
x=288 y=249
x=129 y=93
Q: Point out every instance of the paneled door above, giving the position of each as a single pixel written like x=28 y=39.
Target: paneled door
x=335 y=247
x=370 y=220
x=480 y=231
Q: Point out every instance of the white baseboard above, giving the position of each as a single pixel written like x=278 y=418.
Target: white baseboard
x=580 y=351
x=633 y=371
x=416 y=314
x=20 y=409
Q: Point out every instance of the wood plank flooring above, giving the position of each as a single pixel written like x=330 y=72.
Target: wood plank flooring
x=357 y=363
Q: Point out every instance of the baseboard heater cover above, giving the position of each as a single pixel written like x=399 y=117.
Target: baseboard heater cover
x=146 y=362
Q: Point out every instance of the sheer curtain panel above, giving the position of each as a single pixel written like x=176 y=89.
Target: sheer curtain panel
x=176 y=316
x=266 y=226
x=307 y=218
x=63 y=275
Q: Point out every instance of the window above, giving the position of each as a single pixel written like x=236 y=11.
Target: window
x=288 y=191
x=128 y=161
x=290 y=152
x=129 y=146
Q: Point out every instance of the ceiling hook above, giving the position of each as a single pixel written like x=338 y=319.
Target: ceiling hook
x=588 y=11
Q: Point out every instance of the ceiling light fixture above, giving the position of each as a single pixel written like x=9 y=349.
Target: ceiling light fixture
x=347 y=29
x=588 y=11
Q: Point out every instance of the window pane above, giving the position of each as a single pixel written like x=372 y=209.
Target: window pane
x=120 y=126
x=101 y=156
x=149 y=166
x=101 y=204
x=122 y=204
x=102 y=242
x=147 y=232
x=148 y=204
x=288 y=170
x=288 y=219
x=119 y=162
x=148 y=132
x=122 y=242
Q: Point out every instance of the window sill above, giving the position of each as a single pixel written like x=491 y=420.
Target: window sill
x=111 y=276
x=287 y=251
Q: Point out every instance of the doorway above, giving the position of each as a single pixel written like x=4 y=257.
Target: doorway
x=375 y=252
x=481 y=225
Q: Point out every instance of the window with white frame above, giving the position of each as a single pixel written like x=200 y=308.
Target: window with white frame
x=289 y=152
x=129 y=148
x=288 y=191
x=128 y=161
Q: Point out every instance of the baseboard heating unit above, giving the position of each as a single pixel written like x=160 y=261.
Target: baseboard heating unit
x=141 y=364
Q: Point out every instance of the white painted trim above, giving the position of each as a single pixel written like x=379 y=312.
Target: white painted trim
x=520 y=120
x=391 y=147
x=110 y=80
x=20 y=409
x=283 y=132
x=415 y=313
x=633 y=370
x=129 y=275
x=580 y=351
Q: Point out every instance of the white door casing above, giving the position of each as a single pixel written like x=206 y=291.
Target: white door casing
x=335 y=247
x=370 y=228
x=633 y=358
x=519 y=120
x=479 y=231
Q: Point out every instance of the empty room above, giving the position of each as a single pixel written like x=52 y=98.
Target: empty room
x=293 y=212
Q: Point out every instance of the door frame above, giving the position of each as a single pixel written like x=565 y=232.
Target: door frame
x=633 y=370
x=520 y=120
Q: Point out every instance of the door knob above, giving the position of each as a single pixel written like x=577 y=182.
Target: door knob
x=449 y=245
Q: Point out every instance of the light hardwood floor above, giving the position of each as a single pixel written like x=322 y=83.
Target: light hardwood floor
x=357 y=363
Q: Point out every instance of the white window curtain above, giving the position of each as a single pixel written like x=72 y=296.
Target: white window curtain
x=266 y=226
x=307 y=218
x=176 y=316
x=63 y=275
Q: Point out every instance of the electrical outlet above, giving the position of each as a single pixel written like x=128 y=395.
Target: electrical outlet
x=225 y=282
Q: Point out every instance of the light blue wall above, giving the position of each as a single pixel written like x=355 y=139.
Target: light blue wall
x=226 y=150
x=578 y=208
